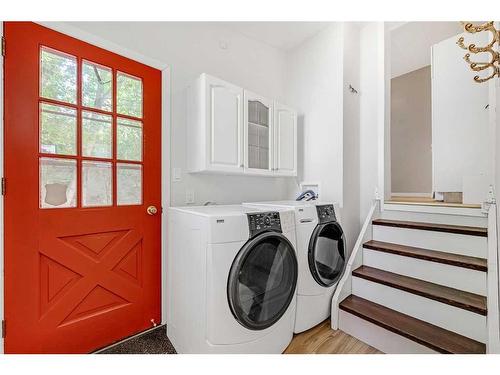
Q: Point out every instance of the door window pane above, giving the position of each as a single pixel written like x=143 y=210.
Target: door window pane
x=129 y=184
x=57 y=183
x=129 y=95
x=129 y=139
x=57 y=129
x=97 y=86
x=96 y=135
x=57 y=76
x=97 y=184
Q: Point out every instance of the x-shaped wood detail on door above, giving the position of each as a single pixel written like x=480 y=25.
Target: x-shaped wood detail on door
x=96 y=273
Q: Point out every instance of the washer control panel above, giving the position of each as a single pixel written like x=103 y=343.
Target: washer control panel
x=326 y=213
x=263 y=222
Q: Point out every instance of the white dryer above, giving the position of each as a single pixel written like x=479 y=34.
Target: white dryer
x=321 y=253
x=232 y=273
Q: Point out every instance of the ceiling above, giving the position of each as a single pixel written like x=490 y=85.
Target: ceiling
x=411 y=43
x=281 y=35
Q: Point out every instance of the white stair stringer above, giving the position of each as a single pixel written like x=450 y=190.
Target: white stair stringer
x=344 y=287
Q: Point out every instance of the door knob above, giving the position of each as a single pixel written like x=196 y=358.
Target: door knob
x=152 y=210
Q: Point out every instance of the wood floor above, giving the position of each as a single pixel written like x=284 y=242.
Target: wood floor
x=323 y=340
x=427 y=201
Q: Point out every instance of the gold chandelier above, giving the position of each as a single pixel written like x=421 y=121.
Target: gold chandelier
x=493 y=64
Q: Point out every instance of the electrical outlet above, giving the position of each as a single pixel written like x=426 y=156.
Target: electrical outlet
x=189 y=196
x=177 y=175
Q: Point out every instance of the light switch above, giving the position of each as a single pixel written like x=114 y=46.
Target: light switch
x=177 y=174
x=189 y=196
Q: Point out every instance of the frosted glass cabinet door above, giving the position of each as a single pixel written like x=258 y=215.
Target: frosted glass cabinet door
x=285 y=140
x=224 y=102
x=258 y=134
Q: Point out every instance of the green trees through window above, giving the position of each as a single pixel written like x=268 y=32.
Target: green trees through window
x=58 y=128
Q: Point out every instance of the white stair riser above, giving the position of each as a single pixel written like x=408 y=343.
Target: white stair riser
x=449 y=242
x=443 y=274
x=426 y=217
x=378 y=337
x=452 y=318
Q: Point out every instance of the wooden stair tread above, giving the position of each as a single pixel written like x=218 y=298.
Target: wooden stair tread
x=429 y=335
x=456 y=229
x=457 y=260
x=454 y=297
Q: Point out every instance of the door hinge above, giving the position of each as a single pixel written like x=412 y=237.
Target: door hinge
x=3 y=46
x=4 y=329
x=4 y=185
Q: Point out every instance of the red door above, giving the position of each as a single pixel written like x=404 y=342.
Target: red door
x=82 y=166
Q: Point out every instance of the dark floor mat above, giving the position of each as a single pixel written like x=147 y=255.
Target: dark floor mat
x=152 y=342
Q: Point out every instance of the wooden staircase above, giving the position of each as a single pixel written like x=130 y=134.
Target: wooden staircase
x=421 y=288
x=426 y=334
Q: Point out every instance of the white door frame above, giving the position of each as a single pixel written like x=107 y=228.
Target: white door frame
x=2 y=273
x=166 y=115
x=386 y=121
x=383 y=109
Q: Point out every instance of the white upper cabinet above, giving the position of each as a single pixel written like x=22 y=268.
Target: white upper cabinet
x=234 y=131
x=215 y=126
x=225 y=125
x=285 y=135
x=258 y=134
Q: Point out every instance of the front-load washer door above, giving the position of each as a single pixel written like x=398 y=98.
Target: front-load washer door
x=262 y=280
x=326 y=253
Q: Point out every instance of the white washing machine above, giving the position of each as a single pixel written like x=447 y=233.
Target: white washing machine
x=232 y=274
x=321 y=253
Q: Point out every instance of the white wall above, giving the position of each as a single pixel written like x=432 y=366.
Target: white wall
x=351 y=117
x=372 y=108
x=409 y=56
x=460 y=121
x=314 y=86
x=343 y=134
x=190 y=49
x=411 y=132
x=341 y=144
x=319 y=73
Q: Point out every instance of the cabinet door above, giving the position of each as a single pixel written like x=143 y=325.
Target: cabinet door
x=285 y=140
x=258 y=134
x=225 y=118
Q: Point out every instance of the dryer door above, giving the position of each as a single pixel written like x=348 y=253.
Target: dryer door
x=326 y=253
x=262 y=280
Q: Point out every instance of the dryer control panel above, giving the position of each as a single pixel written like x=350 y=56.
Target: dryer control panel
x=263 y=221
x=326 y=213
